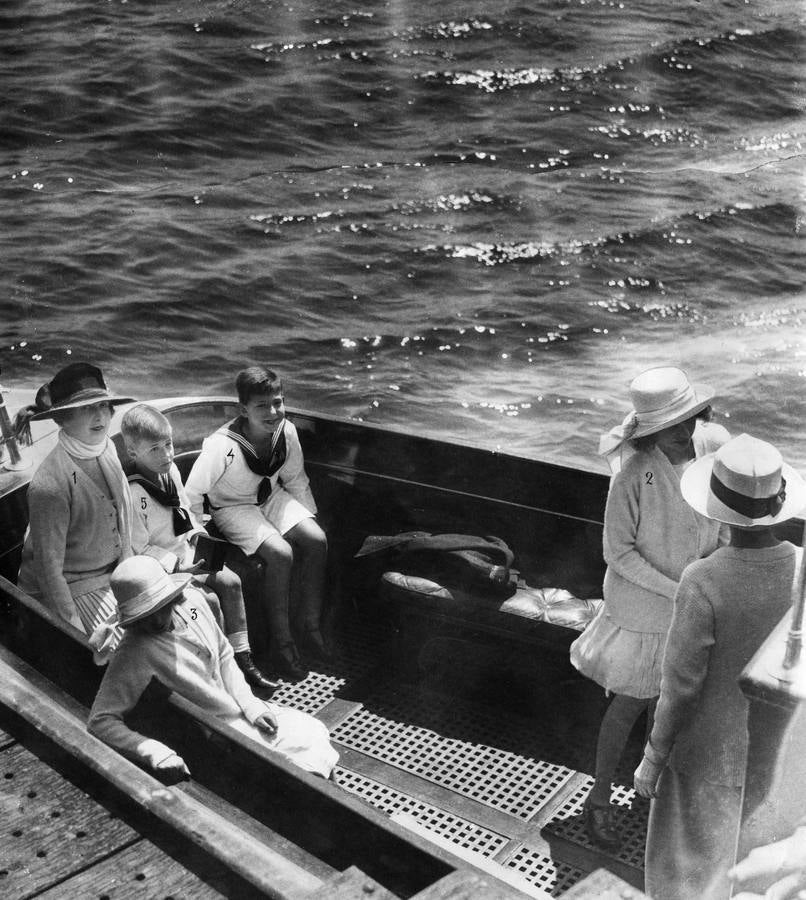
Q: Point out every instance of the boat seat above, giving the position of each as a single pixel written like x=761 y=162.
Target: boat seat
x=530 y=615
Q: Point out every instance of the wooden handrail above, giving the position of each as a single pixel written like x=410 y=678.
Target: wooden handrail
x=242 y=853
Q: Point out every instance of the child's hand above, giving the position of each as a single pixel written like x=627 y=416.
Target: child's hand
x=173 y=767
x=646 y=778
x=267 y=722
x=193 y=569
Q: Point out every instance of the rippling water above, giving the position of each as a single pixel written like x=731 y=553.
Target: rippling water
x=477 y=221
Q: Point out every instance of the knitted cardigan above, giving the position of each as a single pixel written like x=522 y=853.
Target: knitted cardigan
x=75 y=537
x=651 y=534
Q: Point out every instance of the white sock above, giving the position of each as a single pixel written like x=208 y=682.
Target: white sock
x=239 y=641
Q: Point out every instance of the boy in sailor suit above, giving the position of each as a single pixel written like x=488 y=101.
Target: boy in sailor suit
x=252 y=471
x=164 y=528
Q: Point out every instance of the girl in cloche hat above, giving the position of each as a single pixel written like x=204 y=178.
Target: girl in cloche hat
x=650 y=535
x=725 y=606
x=79 y=507
x=171 y=636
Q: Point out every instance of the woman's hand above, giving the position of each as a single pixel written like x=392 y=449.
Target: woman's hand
x=646 y=778
x=267 y=722
x=775 y=871
x=173 y=767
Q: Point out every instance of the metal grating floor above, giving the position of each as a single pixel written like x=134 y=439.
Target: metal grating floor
x=550 y=875
x=460 y=831
x=357 y=648
x=631 y=821
x=454 y=747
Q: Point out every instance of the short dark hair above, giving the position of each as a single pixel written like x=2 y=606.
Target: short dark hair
x=144 y=423
x=256 y=380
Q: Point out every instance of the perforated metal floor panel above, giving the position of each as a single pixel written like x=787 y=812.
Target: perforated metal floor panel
x=357 y=649
x=631 y=822
x=460 y=831
x=456 y=746
x=551 y=876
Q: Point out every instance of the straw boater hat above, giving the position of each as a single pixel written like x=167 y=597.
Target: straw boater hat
x=744 y=483
x=661 y=397
x=141 y=586
x=79 y=384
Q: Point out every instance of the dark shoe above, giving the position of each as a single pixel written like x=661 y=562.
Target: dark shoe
x=315 y=647
x=254 y=677
x=285 y=661
x=600 y=826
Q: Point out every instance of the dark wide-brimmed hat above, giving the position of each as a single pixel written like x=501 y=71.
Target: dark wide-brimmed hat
x=745 y=483
x=141 y=586
x=79 y=384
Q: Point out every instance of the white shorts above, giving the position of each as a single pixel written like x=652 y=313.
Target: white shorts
x=248 y=526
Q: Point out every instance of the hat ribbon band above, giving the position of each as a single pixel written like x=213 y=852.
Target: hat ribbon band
x=750 y=507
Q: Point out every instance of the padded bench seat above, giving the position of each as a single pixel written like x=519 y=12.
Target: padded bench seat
x=543 y=616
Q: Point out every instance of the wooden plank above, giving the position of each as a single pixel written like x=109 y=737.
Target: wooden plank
x=250 y=859
x=518 y=885
x=465 y=884
x=349 y=884
x=141 y=870
x=50 y=828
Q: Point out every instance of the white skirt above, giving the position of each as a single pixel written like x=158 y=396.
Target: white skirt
x=621 y=661
x=300 y=738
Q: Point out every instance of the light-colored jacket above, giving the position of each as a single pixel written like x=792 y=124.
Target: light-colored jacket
x=651 y=534
x=196 y=662
x=725 y=608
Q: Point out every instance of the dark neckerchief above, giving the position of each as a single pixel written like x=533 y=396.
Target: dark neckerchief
x=260 y=465
x=166 y=493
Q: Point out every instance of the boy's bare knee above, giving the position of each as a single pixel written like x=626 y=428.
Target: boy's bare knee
x=228 y=580
x=276 y=552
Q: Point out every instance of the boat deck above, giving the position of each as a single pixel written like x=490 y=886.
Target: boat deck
x=507 y=788
x=63 y=837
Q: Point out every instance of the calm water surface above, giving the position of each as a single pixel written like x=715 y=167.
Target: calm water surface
x=476 y=221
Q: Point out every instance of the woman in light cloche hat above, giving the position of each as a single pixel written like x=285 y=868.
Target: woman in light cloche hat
x=725 y=606
x=650 y=535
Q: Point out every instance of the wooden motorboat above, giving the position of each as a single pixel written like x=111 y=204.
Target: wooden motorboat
x=466 y=737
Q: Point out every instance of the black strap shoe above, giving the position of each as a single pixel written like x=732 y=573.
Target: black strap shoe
x=600 y=826
x=286 y=663
x=254 y=677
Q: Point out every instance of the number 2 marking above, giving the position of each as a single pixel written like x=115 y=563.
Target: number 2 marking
x=648 y=476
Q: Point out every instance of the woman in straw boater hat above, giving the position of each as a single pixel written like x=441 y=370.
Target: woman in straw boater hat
x=79 y=507
x=171 y=635
x=650 y=536
x=726 y=605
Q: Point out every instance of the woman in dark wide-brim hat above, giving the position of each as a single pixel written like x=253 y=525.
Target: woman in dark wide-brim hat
x=79 y=507
x=650 y=535
x=726 y=605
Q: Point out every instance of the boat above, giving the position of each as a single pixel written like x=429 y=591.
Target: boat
x=466 y=737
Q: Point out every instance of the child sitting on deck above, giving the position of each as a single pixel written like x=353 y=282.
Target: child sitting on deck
x=165 y=528
x=253 y=474
x=171 y=635
x=79 y=508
